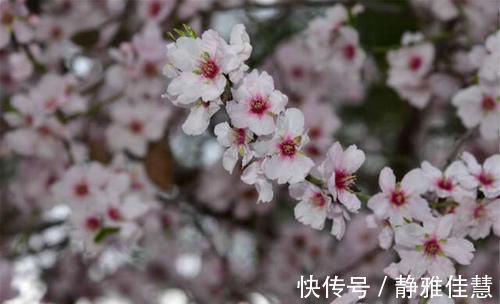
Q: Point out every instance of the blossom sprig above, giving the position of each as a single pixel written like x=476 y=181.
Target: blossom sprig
x=431 y=214
x=208 y=74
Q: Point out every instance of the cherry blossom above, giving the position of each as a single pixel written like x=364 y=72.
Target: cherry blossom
x=136 y=125
x=479 y=105
x=443 y=9
x=20 y=65
x=237 y=141
x=256 y=103
x=28 y=112
x=139 y=65
x=321 y=122
x=399 y=201
x=478 y=217
x=338 y=169
x=409 y=66
x=81 y=185
x=44 y=140
x=428 y=249
x=14 y=17
x=446 y=184
x=197 y=66
x=489 y=72
x=285 y=160
x=254 y=175
x=485 y=177
x=313 y=207
x=240 y=45
x=156 y=10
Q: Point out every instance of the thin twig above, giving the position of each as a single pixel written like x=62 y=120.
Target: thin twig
x=460 y=142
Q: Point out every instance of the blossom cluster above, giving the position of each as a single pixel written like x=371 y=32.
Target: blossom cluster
x=268 y=137
x=430 y=213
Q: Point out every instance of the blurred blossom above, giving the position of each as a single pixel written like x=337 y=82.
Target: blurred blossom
x=214 y=151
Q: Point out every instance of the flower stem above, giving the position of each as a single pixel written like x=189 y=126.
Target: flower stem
x=315 y=181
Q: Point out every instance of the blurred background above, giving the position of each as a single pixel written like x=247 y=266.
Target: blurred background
x=204 y=239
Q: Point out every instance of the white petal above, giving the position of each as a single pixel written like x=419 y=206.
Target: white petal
x=379 y=204
x=223 y=132
x=230 y=158
x=431 y=173
x=338 y=227
x=459 y=249
x=265 y=190
x=298 y=190
x=441 y=267
x=419 y=208
x=387 y=180
x=385 y=237
x=414 y=182
x=353 y=159
x=350 y=200
x=409 y=235
x=310 y=215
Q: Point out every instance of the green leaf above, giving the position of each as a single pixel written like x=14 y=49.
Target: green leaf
x=180 y=33
x=171 y=36
x=190 y=31
x=87 y=38
x=104 y=232
x=407 y=220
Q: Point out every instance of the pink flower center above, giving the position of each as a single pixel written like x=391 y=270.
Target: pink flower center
x=92 y=223
x=240 y=136
x=445 y=184
x=349 y=51
x=56 y=33
x=50 y=181
x=297 y=72
x=28 y=119
x=343 y=181
x=114 y=214
x=136 y=185
x=150 y=69
x=136 y=126
x=315 y=132
x=288 y=148
x=479 y=211
x=431 y=247
x=415 y=63
x=154 y=8
x=82 y=189
x=7 y=19
x=318 y=199
x=209 y=69
x=258 y=105
x=488 y=103
x=313 y=150
x=398 y=198
x=485 y=179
